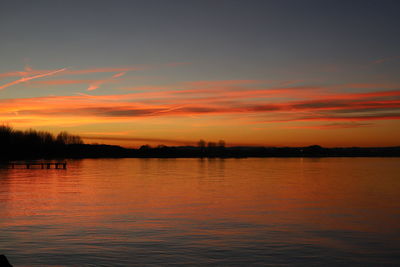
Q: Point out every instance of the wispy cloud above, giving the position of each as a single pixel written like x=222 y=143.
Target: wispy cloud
x=389 y=116
x=62 y=82
x=248 y=101
x=100 y=70
x=340 y=125
x=30 y=71
x=275 y=105
x=95 y=85
x=224 y=83
x=26 y=79
x=26 y=72
x=119 y=74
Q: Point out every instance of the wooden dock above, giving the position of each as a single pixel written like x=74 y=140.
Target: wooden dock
x=41 y=165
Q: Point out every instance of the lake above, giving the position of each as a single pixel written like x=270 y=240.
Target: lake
x=233 y=212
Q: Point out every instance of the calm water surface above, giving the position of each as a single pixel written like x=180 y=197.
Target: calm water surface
x=234 y=212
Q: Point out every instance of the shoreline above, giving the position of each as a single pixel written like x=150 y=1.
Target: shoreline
x=83 y=151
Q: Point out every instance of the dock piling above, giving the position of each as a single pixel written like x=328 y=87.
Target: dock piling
x=41 y=165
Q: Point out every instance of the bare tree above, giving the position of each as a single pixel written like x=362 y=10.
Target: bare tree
x=68 y=139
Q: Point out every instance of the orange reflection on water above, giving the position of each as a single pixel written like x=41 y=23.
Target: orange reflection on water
x=214 y=203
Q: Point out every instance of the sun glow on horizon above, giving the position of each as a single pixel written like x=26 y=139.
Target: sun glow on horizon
x=247 y=112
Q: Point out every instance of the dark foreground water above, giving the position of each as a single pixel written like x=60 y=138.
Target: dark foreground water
x=234 y=212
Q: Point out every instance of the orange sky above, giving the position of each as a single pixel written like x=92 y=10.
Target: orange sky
x=270 y=73
x=247 y=112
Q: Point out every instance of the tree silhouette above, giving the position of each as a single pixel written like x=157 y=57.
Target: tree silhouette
x=201 y=143
x=32 y=143
x=68 y=139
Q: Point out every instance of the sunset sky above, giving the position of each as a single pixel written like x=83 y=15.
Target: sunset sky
x=271 y=73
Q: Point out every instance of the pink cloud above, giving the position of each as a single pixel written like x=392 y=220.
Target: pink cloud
x=218 y=98
x=342 y=125
x=119 y=74
x=130 y=106
x=26 y=72
x=30 y=71
x=25 y=79
x=96 y=84
x=346 y=118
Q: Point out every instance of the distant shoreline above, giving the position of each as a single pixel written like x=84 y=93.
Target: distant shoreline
x=81 y=151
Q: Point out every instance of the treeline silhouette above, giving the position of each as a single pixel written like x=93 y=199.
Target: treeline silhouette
x=32 y=144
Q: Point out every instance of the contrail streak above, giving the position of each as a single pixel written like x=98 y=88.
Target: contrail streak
x=97 y=84
x=25 y=79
